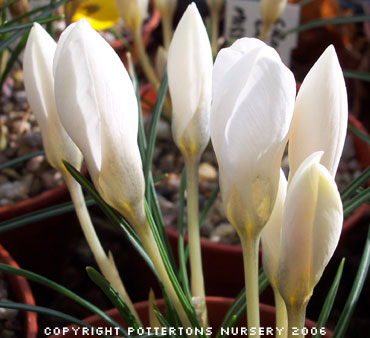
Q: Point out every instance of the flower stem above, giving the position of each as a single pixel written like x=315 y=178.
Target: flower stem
x=214 y=30
x=105 y=263
x=144 y=60
x=281 y=313
x=296 y=319
x=250 y=258
x=151 y=248
x=167 y=30
x=195 y=254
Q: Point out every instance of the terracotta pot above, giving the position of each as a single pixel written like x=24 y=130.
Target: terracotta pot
x=22 y=293
x=217 y=308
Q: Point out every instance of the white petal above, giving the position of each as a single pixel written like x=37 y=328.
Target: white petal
x=39 y=84
x=99 y=110
x=251 y=113
x=270 y=237
x=312 y=222
x=321 y=114
x=190 y=80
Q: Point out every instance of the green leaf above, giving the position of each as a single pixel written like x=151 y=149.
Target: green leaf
x=13 y=58
x=46 y=311
x=209 y=205
x=153 y=131
x=187 y=306
x=362 y=136
x=114 y=297
x=28 y=25
x=353 y=74
x=324 y=22
x=62 y=290
x=355 y=202
x=20 y=159
x=329 y=300
x=112 y=214
x=180 y=243
x=355 y=292
x=39 y=215
x=355 y=184
x=44 y=14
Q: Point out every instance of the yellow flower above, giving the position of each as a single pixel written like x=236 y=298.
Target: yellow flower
x=101 y=14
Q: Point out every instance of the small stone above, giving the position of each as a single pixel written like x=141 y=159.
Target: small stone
x=223 y=233
x=51 y=178
x=15 y=191
x=8 y=313
x=163 y=130
x=32 y=139
x=20 y=96
x=207 y=172
x=353 y=165
x=35 y=163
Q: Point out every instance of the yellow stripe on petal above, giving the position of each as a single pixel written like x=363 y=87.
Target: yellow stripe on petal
x=100 y=14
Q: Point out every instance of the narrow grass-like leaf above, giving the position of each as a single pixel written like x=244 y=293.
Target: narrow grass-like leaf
x=112 y=214
x=50 y=312
x=113 y=296
x=355 y=202
x=20 y=159
x=355 y=184
x=353 y=74
x=329 y=300
x=324 y=22
x=187 y=306
x=27 y=14
x=39 y=215
x=62 y=290
x=44 y=14
x=359 y=133
x=153 y=131
x=13 y=58
x=208 y=205
x=180 y=244
x=28 y=25
x=162 y=320
x=355 y=292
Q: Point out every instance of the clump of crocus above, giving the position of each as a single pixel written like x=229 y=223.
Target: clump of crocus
x=189 y=79
x=99 y=111
x=39 y=83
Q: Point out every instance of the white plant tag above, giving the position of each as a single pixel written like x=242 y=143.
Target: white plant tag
x=243 y=18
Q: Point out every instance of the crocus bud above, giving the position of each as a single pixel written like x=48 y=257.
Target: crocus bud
x=39 y=84
x=252 y=107
x=190 y=83
x=133 y=12
x=270 y=12
x=321 y=115
x=98 y=108
x=270 y=236
x=312 y=222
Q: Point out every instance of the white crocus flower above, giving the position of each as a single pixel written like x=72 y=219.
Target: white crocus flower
x=190 y=83
x=39 y=84
x=252 y=108
x=321 y=115
x=312 y=223
x=98 y=108
x=133 y=12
